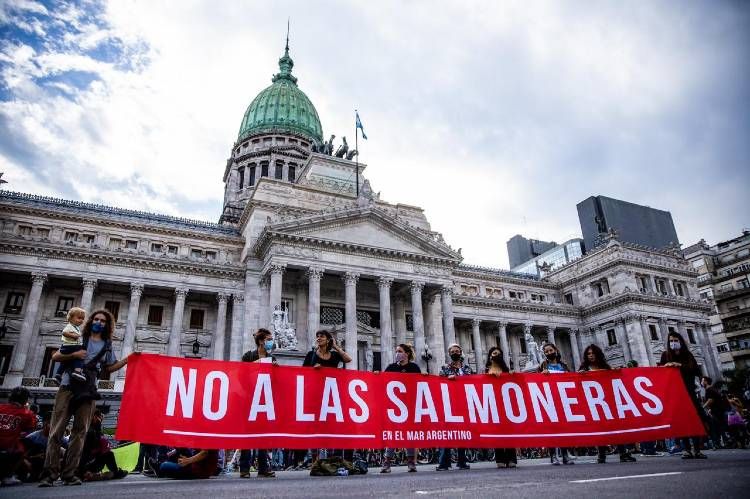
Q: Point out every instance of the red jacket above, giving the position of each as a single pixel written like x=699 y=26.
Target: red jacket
x=14 y=421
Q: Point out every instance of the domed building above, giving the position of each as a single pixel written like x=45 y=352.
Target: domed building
x=300 y=246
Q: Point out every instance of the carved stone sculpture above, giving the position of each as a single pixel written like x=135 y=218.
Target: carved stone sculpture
x=350 y=155
x=343 y=149
x=533 y=352
x=284 y=334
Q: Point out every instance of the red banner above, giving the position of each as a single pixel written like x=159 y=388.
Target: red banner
x=216 y=404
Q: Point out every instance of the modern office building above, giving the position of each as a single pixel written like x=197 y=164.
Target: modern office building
x=521 y=250
x=724 y=271
x=552 y=259
x=632 y=222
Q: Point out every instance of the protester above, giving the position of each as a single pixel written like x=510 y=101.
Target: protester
x=72 y=342
x=717 y=407
x=326 y=353
x=15 y=421
x=97 y=454
x=78 y=399
x=456 y=367
x=678 y=355
x=35 y=447
x=200 y=464
x=264 y=345
x=404 y=364
x=553 y=364
x=496 y=366
x=594 y=360
x=736 y=419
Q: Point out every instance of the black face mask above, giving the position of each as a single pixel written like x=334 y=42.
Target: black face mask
x=455 y=357
x=551 y=357
x=496 y=359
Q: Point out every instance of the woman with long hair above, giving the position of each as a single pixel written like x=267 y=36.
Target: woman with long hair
x=496 y=366
x=553 y=364
x=594 y=360
x=677 y=354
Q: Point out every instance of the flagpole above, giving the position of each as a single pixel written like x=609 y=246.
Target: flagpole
x=356 y=148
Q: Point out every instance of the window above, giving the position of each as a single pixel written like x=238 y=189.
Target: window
x=14 y=303
x=722 y=348
x=155 y=313
x=114 y=243
x=71 y=236
x=211 y=255
x=264 y=169
x=43 y=233
x=742 y=284
x=292 y=173
x=707 y=294
x=522 y=344
x=569 y=298
x=6 y=353
x=244 y=146
x=171 y=249
x=511 y=294
x=48 y=367
x=670 y=330
x=131 y=244
x=642 y=283
x=679 y=289
x=691 y=336
x=611 y=337
x=196 y=253
x=156 y=248
x=64 y=303
x=279 y=171
x=196 y=318
x=292 y=141
x=251 y=180
x=113 y=307
x=25 y=230
x=653 y=332
x=88 y=238
x=241 y=169
x=661 y=286
x=726 y=287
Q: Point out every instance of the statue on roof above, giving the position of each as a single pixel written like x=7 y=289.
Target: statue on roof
x=350 y=155
x=343 y=149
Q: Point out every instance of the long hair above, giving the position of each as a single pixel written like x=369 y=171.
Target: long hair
x=683 y=356
x=502 y=364
x=109 y=326
x=558 y=357
x=409 y=350
x=329 y=337
x=599 y=360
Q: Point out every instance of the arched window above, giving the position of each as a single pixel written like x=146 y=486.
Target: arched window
x=241 y=169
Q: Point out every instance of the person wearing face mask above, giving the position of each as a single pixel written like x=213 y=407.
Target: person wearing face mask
x=404 y=364
x=70 y=401
x=496 y=366
x=264 y=344
x=456 y=367
x=594 y=360
x=678 y=355
x=553 y=364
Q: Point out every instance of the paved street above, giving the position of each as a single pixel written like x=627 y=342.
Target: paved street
x=725 y=474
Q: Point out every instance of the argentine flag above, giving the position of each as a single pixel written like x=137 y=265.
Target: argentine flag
x=359 y=125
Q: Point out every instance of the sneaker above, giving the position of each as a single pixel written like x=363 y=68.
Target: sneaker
x=652 y=454
x=700 y=455
x=10 y=481
x=555 y=461
x=412 y=467
x=568 y=461
x=73 y=480
x=78 y=375
x=385 y=469
x=120 y=473
x=266 y=474
x=627 y=458
x=46 y=482
x=464 y=467
x=687 y=455
x=442 y=468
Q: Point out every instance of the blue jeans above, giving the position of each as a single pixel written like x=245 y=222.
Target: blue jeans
x=445 y=458
x=70 y=364
x=169 y=469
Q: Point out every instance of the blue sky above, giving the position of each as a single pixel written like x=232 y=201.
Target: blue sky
x=496 y=119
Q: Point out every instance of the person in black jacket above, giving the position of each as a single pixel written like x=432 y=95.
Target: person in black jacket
x=327 y=352
x=496 y=366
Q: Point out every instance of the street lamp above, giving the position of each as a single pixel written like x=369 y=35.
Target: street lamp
x=427 y=356
x=196 y=346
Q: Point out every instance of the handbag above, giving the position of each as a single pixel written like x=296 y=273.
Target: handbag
x=734 y=418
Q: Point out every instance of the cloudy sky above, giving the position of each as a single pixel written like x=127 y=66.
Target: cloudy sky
x=495 y=117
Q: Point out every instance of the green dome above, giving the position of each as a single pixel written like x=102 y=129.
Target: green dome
x=282 y=107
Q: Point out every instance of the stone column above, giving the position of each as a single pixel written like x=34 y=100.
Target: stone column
x=601 y=338
x=477 y=338
x=663 y=330
x=515 y=350
x=399 y=321
x=21 y=350
x=550 y=334
x=128 y=341
x=646 y=340
x=622 y=338
x=705 y=334
x=175 y=335
x=435 y=337
x=221 y=326
x=350 y=319
x=300 y=315
x=314 y=276
x=418 y=320
x=446 y=300
x=634 y=336
x=88 y=295
x=386 y=336
x=274 y=296
x=502 y=330
x=235 y=347
x=264 y=313
x=573 y=335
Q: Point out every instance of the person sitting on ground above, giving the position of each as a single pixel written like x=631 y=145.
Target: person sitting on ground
x=71 y=342
x=189 y=465
x=594 y=360
x=15 y=421
x=264 y=346
x=456 y=367
x=677 y=354
x=404 y=363
x=35 y=445
x=496 y=366
x=97 y=454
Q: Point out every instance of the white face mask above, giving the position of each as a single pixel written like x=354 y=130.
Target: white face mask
x=674 y=345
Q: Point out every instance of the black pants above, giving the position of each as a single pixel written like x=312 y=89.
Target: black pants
x=505 y=456
x=602 y=451
x=445 y=458
x=97 y=463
